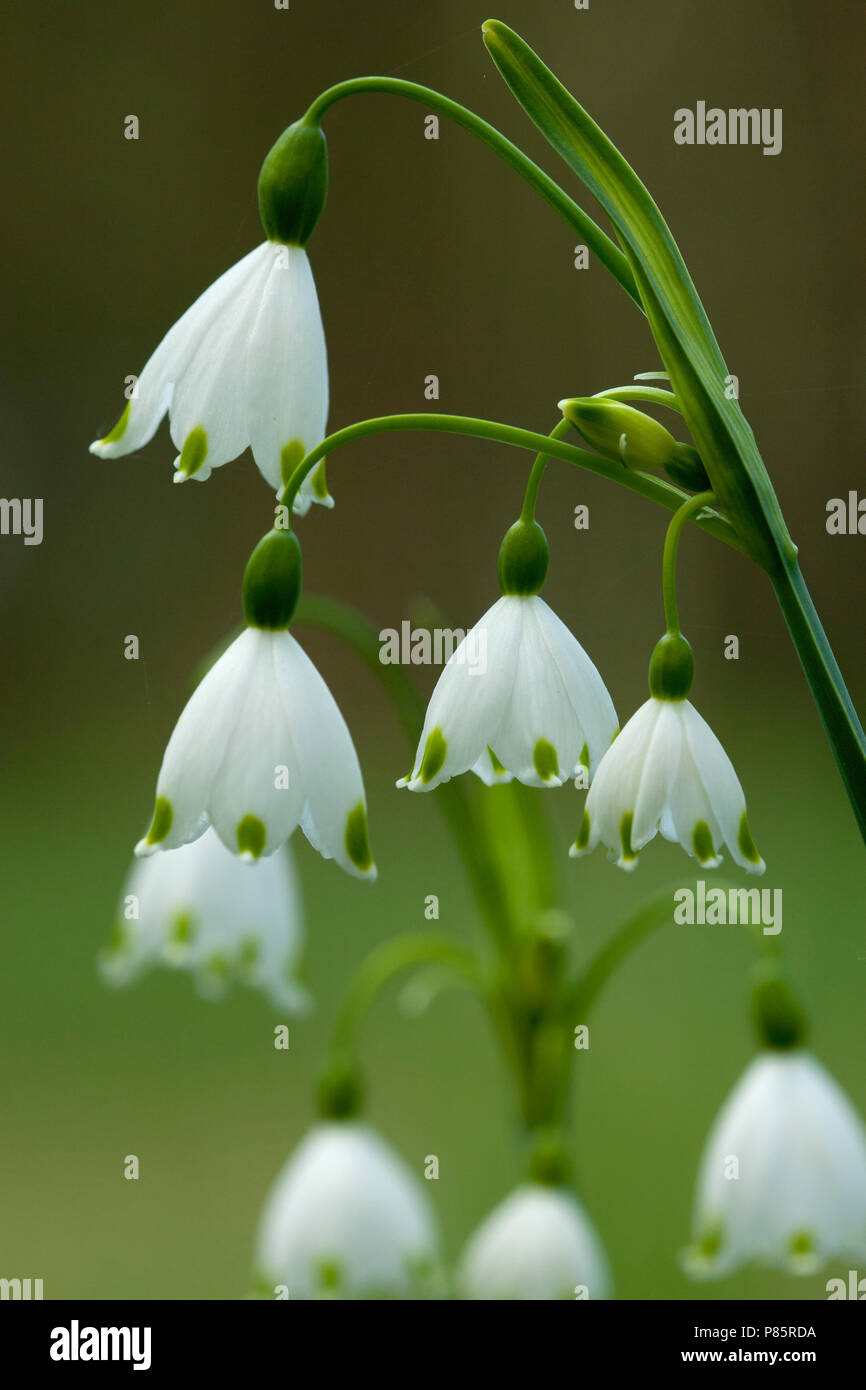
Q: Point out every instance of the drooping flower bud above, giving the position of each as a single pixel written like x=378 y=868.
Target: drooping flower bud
x=293 y=183
x=618 y=431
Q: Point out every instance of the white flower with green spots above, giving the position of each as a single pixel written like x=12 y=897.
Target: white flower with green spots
x=537 y=1244
x=518 y=698
x=783 y=1175
x=201 y=910
x=347 y=1219
x=244 y=366
x=667 y=771
x=260 y=748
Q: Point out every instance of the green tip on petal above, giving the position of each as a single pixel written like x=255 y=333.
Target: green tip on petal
x=702 y=842
x=251 y=837
x=710 y=1242
x=319 y=482
x=746 y=844
x=584 y=757
x=182 y=929
x=357 y=839
x=498 y=767
x=628 y=855
x=161 y=823
x=545 y=759
x=120 y=428
x=193 y=453
x=802 y=1244
x=435 y=750
x=582 y=840
x=290 y=456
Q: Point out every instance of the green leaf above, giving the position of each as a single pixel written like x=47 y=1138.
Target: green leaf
x=698 y=376
x=679 y=323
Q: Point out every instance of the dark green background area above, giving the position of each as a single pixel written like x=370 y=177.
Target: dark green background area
x=431 y=257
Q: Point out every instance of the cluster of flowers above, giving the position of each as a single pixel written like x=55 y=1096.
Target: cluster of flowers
x=262 y=748
x=348 y=1218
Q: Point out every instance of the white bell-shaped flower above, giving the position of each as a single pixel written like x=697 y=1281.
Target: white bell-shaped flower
x=537 y=1244
x=244 y=366
x=519 y=697
x=783 y=1175
x=260 y=748
x=200 y=909
x=667 y=771
x=346 y=1218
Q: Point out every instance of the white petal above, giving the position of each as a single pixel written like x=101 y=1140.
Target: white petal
x=721 y=784
x=661 y=767
x=800 y=1194
x=614 y=789
x=287 y=367
x=330 y=774
x=211 y=393
x=347 y=1204
x=689 y=806
x=260 y=772
x=168 y=362
x=537 y=1244
x=594 y=720
x=198 y=743
x=470 y=697
x=201 y=910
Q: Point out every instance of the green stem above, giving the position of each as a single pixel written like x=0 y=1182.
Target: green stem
x=387 y=960
x=652 y=395
x=656 y=913
x=656 y=489
x=669 y=558
x=530 y=497
x=835 y=706
x=598 y=242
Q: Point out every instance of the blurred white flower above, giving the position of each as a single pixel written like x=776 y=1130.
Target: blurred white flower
x=537 y=1244
x=346 y=1218
x=783 y=1175
x=518 y=698
x=260 y=748
x=200 y=909
x=244 y=366
x=667 y=770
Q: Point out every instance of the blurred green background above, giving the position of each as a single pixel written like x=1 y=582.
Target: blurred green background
x=431 y=257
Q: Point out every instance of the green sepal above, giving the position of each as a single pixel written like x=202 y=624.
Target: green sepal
x=293 y=184
x=524 y=558
x=686 y=469
x=272 y=581
x=549 y=1162
x=340 y=1089
x=671 y=668
x=779 y=1017
x=619 y=431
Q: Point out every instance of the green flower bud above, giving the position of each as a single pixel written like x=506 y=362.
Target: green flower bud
x=671 y=668
x=524 y=558
x=272 y=581
x=340 y=1090
x=293 y=184
x=620 y=432
x=778 y=1015
x=549 y=1162
x=687 y=470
